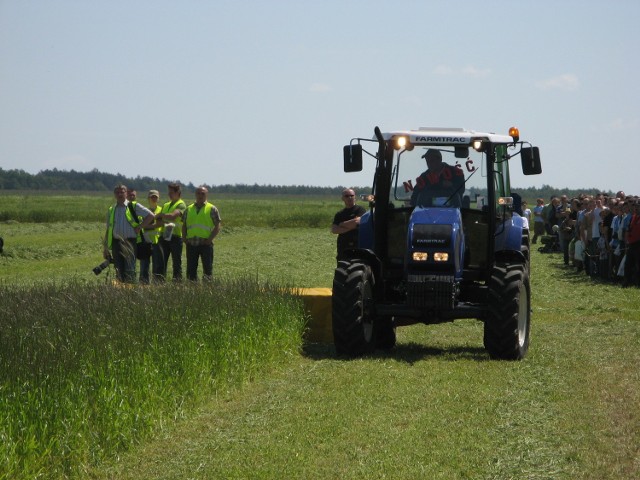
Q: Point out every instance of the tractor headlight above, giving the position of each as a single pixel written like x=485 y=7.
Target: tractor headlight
x=478 y=145
x=402 y=143
x=420 y=256
x=441 y=257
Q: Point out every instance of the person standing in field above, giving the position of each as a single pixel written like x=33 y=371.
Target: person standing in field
x=141 y=250
x=345 y=223
x=132 y=194
x=632 y=240
x=125 y=221
x=171 y=230
x=200 y=226
x=150 y=239
x=538 y=220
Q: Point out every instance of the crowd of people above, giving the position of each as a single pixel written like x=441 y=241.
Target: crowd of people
x=153 y=234
x=596 y=234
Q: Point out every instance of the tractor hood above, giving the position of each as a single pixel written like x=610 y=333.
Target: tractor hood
x=436 y=230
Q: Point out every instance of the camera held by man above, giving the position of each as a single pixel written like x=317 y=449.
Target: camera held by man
x=99 y=269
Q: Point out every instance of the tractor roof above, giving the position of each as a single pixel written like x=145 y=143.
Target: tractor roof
x=446 y=136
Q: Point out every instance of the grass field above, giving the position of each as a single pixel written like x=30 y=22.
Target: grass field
x=435 y=407
x=254 y=238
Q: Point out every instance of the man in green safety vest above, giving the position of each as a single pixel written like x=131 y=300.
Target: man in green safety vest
x=200 y=226
x=171 y=216
x=150 y=241
x=124 y=225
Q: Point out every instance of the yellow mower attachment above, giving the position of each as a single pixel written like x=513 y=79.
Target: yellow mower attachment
x=317 y=304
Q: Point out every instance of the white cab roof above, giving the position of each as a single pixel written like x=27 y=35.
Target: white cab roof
x=446 y=136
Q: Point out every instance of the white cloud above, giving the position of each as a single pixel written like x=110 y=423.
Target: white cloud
x=472 y=71
x=566 y=81
x=320 y=88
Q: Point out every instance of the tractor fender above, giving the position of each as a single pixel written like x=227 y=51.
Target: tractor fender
x=365 y=231
x=509 y=236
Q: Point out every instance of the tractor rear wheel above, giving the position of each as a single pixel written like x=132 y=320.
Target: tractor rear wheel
x=352 y=319
x=507 y=328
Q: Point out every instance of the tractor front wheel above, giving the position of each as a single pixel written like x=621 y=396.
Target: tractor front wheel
x=508 y=326
x=352 y=318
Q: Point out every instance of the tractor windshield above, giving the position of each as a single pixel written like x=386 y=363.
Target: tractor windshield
x=434 y=177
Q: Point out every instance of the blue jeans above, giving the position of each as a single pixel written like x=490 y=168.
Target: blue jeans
x=194 y=254
x=124 y=259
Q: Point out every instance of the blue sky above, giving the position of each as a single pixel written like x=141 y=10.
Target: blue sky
x=268 y=92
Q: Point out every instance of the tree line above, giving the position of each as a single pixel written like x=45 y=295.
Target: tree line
x=96 y=181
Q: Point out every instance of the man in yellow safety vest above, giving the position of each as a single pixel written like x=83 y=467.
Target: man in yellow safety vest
x=171 y=216
x=124 y=224
x=150 y=242
x=200 y=226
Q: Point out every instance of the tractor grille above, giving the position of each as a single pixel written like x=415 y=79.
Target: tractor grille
x=432 y=291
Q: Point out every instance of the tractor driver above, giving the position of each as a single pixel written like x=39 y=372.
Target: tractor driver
x=439 y=182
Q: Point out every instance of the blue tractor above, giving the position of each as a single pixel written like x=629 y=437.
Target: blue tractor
x=443 y=239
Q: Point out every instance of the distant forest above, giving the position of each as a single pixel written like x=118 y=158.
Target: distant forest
x=96 y=181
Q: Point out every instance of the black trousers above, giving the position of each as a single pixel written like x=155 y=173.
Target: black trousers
x=632 y=265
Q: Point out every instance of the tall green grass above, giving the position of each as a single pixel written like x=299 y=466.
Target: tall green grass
x=86 y=372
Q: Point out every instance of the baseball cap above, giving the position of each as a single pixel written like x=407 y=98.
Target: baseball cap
x=153 y=193
x=433 y=154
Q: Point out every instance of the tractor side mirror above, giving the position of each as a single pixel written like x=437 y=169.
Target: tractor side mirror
x=530 y=157
x=352 y=158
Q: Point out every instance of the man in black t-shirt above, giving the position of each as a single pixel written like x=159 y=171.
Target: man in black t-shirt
x=346 y=221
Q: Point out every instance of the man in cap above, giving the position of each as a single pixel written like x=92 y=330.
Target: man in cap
x=439 y=183
x=150 y=240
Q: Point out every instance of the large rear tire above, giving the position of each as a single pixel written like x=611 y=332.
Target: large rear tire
x=352 y=320
x=507 y=328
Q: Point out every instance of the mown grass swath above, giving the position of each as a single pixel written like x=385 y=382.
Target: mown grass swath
x=86 y=372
